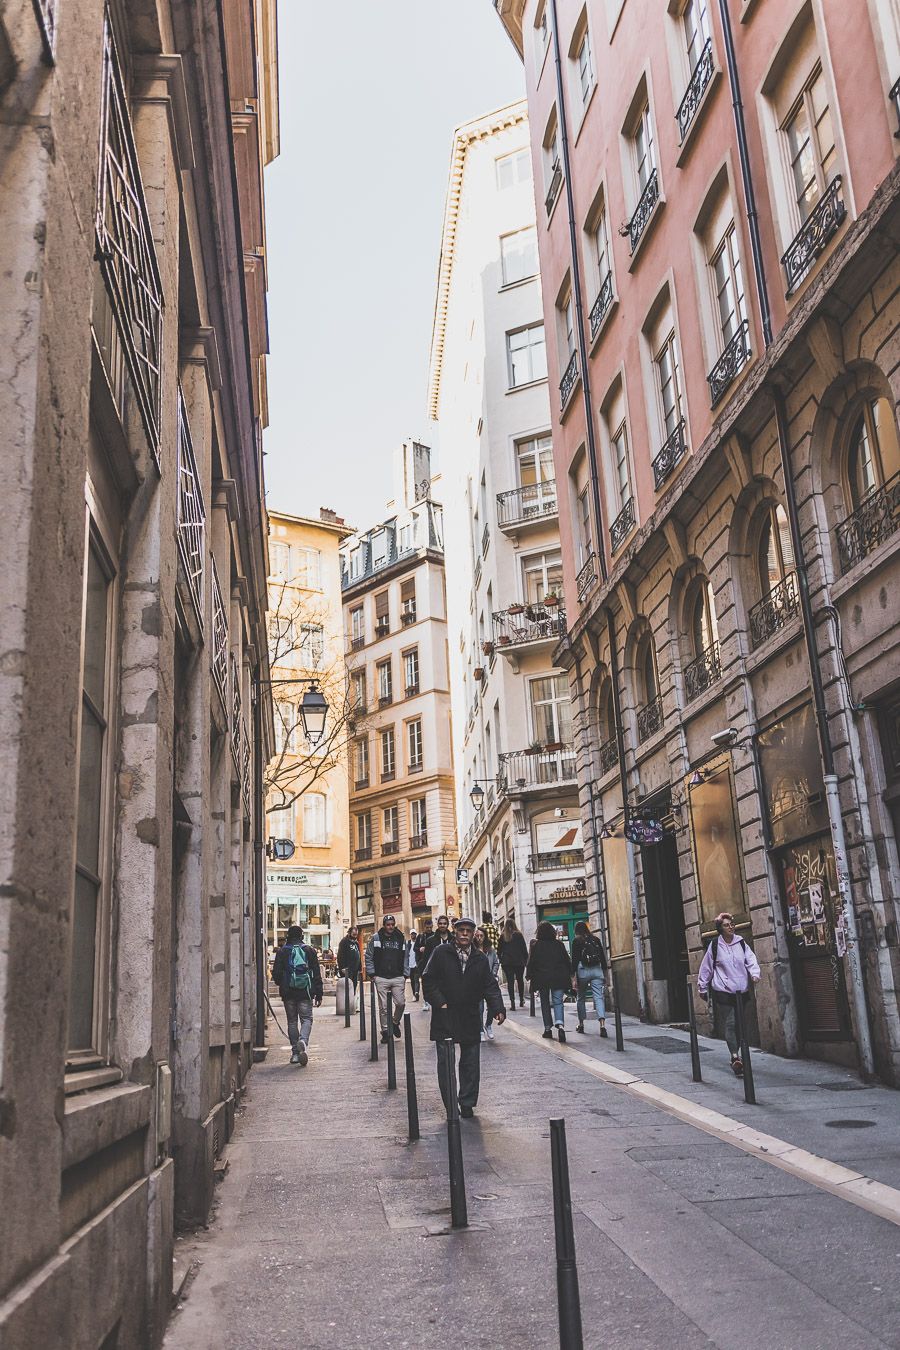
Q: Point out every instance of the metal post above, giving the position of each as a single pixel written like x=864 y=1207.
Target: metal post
x=346 y=1000
x=391 y=1056
x=695 y=1044
x=749 y=1089
x=531 y=999
x=459 y=1217
x=412 y=1096
x=373 y=1018
x=362 y=1004
x=617 y=1012
x=567 y=1297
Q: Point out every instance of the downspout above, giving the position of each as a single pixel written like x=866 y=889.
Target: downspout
x=826 y=750
x=259 y=873
x=620 y=750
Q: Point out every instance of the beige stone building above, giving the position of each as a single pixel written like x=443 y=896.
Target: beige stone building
x=403 y=820
x=717 y=197
x=132 y=623
x=308 y=795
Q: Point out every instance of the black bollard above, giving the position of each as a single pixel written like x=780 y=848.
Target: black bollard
x=567 y=1297
x=617 y=1013
x=531 y=999
x=373 y=1018
x=459 y=1217
x=346 y=1000
x=749 y=1088
x=362 y=1005
x=392 y=1057
x=695 y=1044
x=412 y=1096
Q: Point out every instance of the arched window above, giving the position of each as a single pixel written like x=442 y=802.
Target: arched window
x=703 y=667
x=874 y=455
x=649 y=717
x=774 y=551
x=648 y=673
x=606 y=727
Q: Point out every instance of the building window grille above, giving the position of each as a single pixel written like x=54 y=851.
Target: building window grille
x=622 y=526
x=693 y=96
x=730 y=363
x=701 y=673
x=191 y=514
x=870 y=524
x=587 y=577
x=601 y=305
x=569 y=380
x=219 y=658
x=774 y=610
x=811 y=239
x=650 y=719
x=670 y=455
x=608 y=755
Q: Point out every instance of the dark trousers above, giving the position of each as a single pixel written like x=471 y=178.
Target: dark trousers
x=469 y=1070
x=515 y=975
x=415 y=981
x=725 y=1018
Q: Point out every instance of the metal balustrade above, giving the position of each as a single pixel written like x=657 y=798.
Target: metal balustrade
x=701 y=673
x=874 y=520
x=608 y=755
x=550 y=862
x=622 y=526
x=535 y=623
x=693 y=95
x=670 y=455
x=587 y=577
x=601 y=306
x=730 y=363
x=649 y=719
x=895 y=99
x=45 y=13
x=555 y=185
x=521 y=770
x=809 y=242
x=190 y=515
x=644 y=210
x=219 y=655
x=569 y=380
x=520 y=505
x=236 y=713
x=417 y=841
x=362 y=854
x=774 y=610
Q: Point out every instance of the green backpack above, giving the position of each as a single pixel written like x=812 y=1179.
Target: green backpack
x=297 y=969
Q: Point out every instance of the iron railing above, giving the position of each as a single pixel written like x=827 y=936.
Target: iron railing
x=555 y=185
x=608 y=754
x=124 y=244
x=408 y=616
x=496 y=884
x=411 y=690
x=873 y=521
x=520 y=770
x=506 y=874
x=810 y=240
x=219 y=656
x=389 y=847
x=693 y=95
x=362 y=854
x=45 y=13
x=895 y=99
x=569 y=380
x=418 y=840
x=644 y=210
x=774 y=610
x=601 y=306
x=730 y=363
x=550 y=862
x=522 y=504
x=361 y=783
x=536 y=623
x=236 y=713
x=622 y=526
x=190 y=514
x=485 y=539
x=357 y=644
x=587 y=577
x=246 y=796
x=672 y=453
x=649 y=719
x=701 y=673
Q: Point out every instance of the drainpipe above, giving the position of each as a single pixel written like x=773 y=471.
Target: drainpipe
x=826 y=750
x=620 y=750
x=259 y=872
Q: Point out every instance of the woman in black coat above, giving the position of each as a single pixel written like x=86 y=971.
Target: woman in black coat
x=513 y=956
x=550 y=972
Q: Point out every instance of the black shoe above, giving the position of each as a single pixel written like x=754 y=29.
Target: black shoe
x=562 y=1035
x=512 y=1007
x=547 y=1033
x=580 y=1028
x=604 y=1033
x=384 y=1037
x=466 y=1112
x=396 y=1030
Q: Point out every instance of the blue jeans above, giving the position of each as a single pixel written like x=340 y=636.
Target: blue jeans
x=558 y=997
x=593 y=978
x=299 y=1010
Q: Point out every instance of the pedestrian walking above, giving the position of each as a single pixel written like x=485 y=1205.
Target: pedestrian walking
x=490 y=928
x=296 y=972
x=590 y=966
x=726 y=971
x=550 y=972
x=387 y=965
x=419 y=946
x=513 y=954
x=482 y=943
x=412 y=962
x=349 y=959
x=441 y=934
x=457 y=979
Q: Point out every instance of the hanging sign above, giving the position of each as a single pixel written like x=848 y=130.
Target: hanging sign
x=644 y=831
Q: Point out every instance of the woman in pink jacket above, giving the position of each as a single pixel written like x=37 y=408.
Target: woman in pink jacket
x=726 y=970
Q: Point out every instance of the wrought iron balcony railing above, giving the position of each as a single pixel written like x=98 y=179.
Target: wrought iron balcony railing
x=809 y=242
x=384 y=700
x=703 y=672
x=383 y=628
x=670 y=455
x=45 y=13
x=496 y=884
x=730 y=363
x=644 y=210
x=411 y=690
x=587 y=577
x=521 y=770
x=246 y=795
x=389 y=847
x=537 y=501
x=622 y=526
x=418 y=840
x=219 y=655
x=485 y=539
x=408 y=616
x=236 y=714
x=687 y=108
x=190 y=515
x=506 y=873
x=608 y=754
x=601 y=306
x=362 y=854
x=895 y=99
x=649 y=719
x=873 y=521
x=569 y=380
x=360 y=783
x=357 y=644
x=774 y=610
x=124 y=244
x=551 y=862
x=415 y=766
x=535 y=623
x=555 y=185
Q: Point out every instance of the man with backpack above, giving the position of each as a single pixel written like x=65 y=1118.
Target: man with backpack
x=726 y=970
x=387 y=963
x=590 y=966
x=299 y=979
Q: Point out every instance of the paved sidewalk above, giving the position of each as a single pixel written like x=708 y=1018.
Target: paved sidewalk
x=332 y=1230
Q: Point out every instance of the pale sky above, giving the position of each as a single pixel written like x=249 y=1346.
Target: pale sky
x=371 y=91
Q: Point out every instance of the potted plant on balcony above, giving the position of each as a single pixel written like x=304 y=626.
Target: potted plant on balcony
x=516 y=609
x=504 y=640
x=534 y=748
x=551 y=599
x=487 y=648
x=478 y=672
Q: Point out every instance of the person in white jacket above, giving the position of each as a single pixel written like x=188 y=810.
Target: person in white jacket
x=726 y=970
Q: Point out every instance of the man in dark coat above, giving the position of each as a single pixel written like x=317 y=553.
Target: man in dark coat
x=455 y=981
x=298 y=999
x=349 y=959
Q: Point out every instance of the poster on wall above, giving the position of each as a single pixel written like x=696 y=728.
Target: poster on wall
x=717 y=853
x=557 y=836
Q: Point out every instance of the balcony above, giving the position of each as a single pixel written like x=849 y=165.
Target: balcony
x=496 y=884
x=362 y=854
x=385 y=700
x=539 y=767
x=382 y=628
x=506 y=874
x=622 y=526
x=526 y=625
x=730 y=363
x=895 y=99
x=601 y=306
x=774 y=610
x=219 y=655
x=357 y=644
x=702 y=673
x=390 y=847
x=874 y=520
x=556 y=179
x=670 y=455
x=608 y=755
x=524 y=505
x=649 y=719
x=408 y=616
x=410 y=691
x=587 y=578
x=485 y=539
x=361 y=783
x=693 y=95
x=416 y=766
x=643 y=212
x=190 y=516
x=809 y=242
x=553 y=862
x=417 y=841
x=569 y=380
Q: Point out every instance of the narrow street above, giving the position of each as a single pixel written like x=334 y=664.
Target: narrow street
x=331 y=1230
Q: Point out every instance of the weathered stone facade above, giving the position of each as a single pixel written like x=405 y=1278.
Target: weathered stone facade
x=133 y=632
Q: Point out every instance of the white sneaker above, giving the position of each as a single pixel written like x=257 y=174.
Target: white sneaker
x=426 y=1007
x=303 y=1057
x=490 y=1033
x=483 y=1037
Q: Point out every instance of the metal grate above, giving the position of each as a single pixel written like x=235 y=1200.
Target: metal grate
x=601 y=305
x=730 y=363
x=810 y=240
x=774 y=610
x=191 y=514
x=693 y=95
x=644 y=210
x=622 y=526
x=569 y=380
x=219 y=659
x=236 y=714
x=876 y=519
x=587 y=577
x=668 y=1045
x=669 y=456
x=45 y=13
x=703 y=673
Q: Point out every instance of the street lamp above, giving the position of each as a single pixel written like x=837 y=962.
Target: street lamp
x=313 y=711
x=476 y=796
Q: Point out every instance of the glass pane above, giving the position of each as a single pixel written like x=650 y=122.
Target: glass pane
x=886 y=438
x=784 y=539
x=95 y=625
x=538 y=354
x=84 y=953
x=90 y=791
x=861 y=466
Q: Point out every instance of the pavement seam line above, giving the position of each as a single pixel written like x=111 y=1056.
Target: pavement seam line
x=857 y=1189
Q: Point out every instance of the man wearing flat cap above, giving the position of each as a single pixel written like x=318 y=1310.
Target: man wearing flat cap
x=456 y=979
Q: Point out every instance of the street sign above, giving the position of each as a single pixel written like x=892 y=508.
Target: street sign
x=462 y=876
x=644 y=831
x=280 y=849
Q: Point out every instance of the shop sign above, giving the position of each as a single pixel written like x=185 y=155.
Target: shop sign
x=646 y=831
x=288 y=878
x=575 y=892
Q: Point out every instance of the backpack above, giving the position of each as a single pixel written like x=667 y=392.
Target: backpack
x=297 y=976
x=592 y=953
